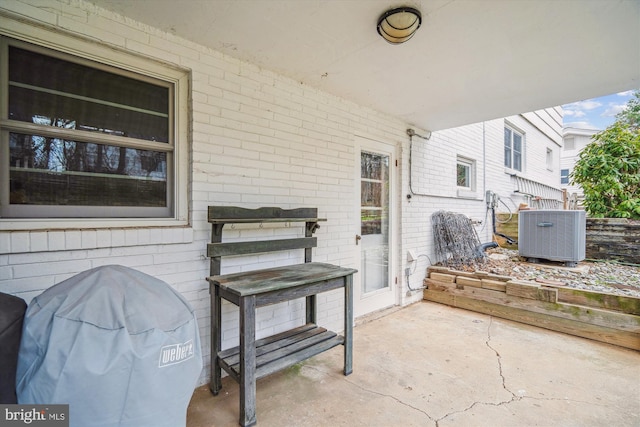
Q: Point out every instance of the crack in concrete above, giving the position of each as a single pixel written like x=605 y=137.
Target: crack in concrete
x=394 y=398
x=499 y=358
x=514 y=397
x=377 y=393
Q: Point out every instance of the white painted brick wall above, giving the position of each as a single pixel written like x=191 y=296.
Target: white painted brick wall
x=433 y=176
x=257 y=139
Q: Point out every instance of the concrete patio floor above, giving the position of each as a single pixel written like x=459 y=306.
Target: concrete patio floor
x=433 y=365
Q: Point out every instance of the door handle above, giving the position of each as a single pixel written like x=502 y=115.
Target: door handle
x=358 y=238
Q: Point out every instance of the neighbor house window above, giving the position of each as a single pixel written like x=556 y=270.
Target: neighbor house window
x=569 y=143
x=513 y=149
x=564 y=176
x=81 y=139
x=465 y=173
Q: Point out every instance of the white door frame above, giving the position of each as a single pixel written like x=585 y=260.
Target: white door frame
x=386 y=297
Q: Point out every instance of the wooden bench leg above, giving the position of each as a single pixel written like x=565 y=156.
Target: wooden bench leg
x=216 y=340
x=348 y=325
x=311 y=309
x=247 y=361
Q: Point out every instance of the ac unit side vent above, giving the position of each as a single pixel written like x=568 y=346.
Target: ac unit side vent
x=554 y=235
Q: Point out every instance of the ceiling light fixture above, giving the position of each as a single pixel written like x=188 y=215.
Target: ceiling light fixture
x=399 y=25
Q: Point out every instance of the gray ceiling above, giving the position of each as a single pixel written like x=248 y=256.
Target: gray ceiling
x=471 y=60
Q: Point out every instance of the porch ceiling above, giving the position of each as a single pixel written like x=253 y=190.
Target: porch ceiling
x=471 y=60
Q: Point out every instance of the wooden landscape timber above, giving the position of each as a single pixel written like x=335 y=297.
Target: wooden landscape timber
x=613 y=239
x=613 y=319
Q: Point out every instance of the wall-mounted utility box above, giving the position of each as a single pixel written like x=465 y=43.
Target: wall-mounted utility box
x=555 y=235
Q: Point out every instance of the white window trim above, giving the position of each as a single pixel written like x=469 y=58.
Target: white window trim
x=511 y=170
x=471 y=165
x=108 y=55
x=549 y=159
x=467 y=192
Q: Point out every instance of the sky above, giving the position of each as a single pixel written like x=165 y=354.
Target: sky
x=595 y=113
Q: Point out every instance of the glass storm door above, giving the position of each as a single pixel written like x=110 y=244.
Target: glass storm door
x=374 y=287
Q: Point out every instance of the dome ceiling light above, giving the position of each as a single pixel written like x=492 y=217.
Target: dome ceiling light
x=399 y=25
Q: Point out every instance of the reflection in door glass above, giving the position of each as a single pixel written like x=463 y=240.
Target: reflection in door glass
x=374 y=220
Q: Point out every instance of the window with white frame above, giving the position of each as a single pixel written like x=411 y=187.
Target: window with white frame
x=465 y=173
x=513 y=149
x=83 y=139
x=564 y=176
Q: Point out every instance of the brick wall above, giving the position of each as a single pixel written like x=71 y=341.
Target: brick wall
x=433 y=177
x=256 y=139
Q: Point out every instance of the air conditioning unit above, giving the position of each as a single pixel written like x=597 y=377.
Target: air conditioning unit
x=553 y=235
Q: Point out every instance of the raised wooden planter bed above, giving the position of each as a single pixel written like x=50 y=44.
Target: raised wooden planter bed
x=599 y=316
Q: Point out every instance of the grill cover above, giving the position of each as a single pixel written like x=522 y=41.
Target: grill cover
x=120 y=347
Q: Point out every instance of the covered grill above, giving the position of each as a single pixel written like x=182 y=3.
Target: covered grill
x=120 y=347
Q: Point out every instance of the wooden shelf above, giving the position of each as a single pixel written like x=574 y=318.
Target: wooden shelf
x=282 y=350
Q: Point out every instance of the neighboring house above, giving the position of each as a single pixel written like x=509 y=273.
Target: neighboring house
x=516 y=159
x=150 y=130
x=575 y=140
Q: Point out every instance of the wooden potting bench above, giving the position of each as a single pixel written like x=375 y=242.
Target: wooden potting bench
x=254 y=359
